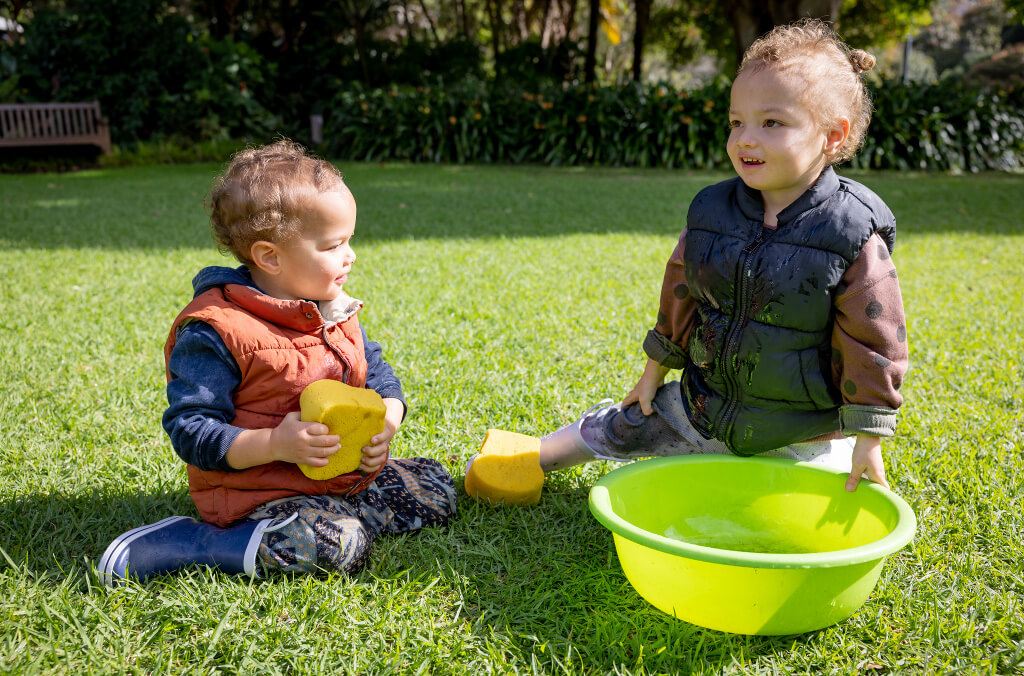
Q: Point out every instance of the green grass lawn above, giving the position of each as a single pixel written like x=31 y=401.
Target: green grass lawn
x=510 y=297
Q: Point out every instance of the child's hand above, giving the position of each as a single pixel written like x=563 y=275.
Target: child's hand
x=867 y=459
x=376 y=454
x=647 y=386
x=307 y=442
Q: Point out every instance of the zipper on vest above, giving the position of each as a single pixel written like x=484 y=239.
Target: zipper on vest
x=342 y=359
x=743 y=298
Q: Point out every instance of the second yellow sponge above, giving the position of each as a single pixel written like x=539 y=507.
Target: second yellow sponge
x=353 y=413
x=507 y=469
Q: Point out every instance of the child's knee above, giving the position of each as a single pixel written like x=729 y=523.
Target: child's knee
x=425 y=491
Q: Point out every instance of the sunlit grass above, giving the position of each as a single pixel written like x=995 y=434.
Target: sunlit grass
x=504 y=297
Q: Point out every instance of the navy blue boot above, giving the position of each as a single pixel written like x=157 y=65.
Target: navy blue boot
x=179 y=541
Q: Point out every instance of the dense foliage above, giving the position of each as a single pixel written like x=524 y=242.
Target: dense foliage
x=947 y=126
x=170 y=79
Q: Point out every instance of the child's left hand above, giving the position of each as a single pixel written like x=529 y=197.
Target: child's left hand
x=376 y=454
x=867 y=459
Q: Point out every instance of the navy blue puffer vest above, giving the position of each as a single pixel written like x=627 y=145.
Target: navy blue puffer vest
x=759 y=375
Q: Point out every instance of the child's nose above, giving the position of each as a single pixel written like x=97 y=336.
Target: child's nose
x=745 y=138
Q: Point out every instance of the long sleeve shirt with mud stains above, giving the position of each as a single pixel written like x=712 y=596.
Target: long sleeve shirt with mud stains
x=869 y=337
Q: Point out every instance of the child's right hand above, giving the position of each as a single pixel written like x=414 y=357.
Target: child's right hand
x=309 y=443
x=645 y=389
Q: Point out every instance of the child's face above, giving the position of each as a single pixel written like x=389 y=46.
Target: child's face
x=314 y=264
x=775 y=144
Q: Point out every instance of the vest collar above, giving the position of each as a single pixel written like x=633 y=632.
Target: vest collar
x=299 y=315
x=752 y=205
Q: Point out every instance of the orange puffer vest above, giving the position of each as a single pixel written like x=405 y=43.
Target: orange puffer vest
x=281 y=347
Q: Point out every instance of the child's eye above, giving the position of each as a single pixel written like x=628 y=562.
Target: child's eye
x=772 y=123
x=733 y=124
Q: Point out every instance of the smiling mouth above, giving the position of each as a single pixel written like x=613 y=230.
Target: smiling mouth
x=751 y=162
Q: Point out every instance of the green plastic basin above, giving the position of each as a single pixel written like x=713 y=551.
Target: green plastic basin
x=750 y=545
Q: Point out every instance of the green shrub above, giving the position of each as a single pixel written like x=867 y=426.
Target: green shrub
x=942 y=127
x=174 y=150
x=624 y=125
x=947 y=126
x=152 y=73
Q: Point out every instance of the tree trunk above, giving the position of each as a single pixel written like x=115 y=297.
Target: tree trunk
x=643 y=18
x=520 y=21
x=463 y=19
x=494 y=11
x=546 y=25
x=751 y=19
x=430 y=22
x=590 y=63
x=406 y=24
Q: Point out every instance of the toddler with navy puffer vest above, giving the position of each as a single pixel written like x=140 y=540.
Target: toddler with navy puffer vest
x=780 y=303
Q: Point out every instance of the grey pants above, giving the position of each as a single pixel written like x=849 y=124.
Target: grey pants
x=616 y=433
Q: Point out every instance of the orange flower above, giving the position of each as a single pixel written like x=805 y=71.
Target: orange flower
x=581 y=118
x=547 y=105
x=687 y=120
x=452 y=120
x=425 y=110
x=476 y=116
x=538 y=125
x=708 y=105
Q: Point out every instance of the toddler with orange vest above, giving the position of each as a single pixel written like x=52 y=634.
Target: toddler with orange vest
x=239 y=356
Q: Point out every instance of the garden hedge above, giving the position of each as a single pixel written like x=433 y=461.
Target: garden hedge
x=947 y=126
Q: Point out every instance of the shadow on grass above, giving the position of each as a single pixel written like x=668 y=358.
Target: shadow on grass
x=161 y=207
x=542 y=581
x=55 y=533
x=547 y=580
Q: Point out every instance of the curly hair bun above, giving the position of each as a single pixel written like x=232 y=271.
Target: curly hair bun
x=862 y=61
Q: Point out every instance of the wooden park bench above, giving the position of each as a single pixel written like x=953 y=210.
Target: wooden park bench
x=53 y=124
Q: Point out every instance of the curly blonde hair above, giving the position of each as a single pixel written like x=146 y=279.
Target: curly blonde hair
x=261 y=194
x=831 y=70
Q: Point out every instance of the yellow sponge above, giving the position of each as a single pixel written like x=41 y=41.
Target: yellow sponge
x=506 y=469
x=353 y=413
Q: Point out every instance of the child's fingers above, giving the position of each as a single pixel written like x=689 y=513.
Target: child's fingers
x=324 y=440
x=373 y=457
x=877 y=474
x=371 y=464
x=853 y=480
x=645 y=406
x=319 y=429
x=375 y=450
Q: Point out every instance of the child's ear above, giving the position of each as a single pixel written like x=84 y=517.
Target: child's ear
x=265 y=255
x=835 y=136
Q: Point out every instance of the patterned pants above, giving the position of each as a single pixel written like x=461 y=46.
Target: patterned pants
x=335 y=533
